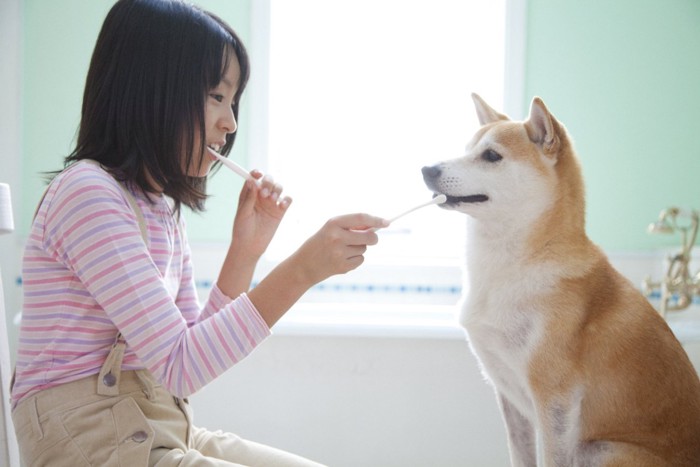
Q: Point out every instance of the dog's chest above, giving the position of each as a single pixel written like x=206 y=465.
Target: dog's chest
x=503 y=319
x=504 y=341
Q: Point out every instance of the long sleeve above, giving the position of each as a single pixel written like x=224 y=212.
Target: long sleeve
x=88 y=274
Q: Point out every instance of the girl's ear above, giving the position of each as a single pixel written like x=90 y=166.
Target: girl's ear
x=485 y=113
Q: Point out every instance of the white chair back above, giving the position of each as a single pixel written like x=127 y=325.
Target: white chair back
x=9 y=454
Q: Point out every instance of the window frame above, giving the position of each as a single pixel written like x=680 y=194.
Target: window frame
x=347 y=304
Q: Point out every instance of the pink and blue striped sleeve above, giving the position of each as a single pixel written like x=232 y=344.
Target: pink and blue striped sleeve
x=92 y=230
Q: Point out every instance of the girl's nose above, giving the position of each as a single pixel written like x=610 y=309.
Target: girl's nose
x=228 y=122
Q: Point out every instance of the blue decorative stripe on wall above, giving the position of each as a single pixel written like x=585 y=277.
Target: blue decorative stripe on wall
x=386 y=289
x=656 y=295
x=370 y=288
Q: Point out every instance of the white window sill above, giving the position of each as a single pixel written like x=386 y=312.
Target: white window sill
x=685 y=324
x=371 y=320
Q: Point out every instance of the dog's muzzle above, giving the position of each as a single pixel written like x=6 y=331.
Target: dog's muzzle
x=431 y=176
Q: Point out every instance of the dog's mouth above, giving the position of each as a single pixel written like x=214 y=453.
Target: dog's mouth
x=454 y=200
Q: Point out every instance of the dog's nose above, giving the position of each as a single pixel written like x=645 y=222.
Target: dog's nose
x=431 y=173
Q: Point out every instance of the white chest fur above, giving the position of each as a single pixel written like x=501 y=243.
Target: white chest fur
x=502 y=314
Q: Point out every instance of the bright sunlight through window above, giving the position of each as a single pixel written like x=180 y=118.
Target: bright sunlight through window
x=349 y=100
x=364 y=93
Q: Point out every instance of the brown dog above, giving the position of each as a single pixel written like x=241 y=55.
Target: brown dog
x=581 y=362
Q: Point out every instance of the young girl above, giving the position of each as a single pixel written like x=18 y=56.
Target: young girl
x=112 y=338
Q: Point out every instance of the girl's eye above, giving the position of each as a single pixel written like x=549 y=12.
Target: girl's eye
x=218 y=97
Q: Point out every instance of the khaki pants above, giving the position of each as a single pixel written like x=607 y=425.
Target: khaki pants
x=127 y=419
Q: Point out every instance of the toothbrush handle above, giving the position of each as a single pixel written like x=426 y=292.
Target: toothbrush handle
x=232 y=166
x=395 y=218
x=437 y=200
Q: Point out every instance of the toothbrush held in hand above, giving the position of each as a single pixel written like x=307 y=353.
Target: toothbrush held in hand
x=439 y=199
x=232 y=165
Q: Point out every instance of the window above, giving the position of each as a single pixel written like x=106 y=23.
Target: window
x=360 y=95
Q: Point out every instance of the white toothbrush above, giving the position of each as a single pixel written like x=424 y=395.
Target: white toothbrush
x=232 y=165
x=439 y=199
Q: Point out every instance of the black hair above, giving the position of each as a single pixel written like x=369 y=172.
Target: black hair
x=153 y=65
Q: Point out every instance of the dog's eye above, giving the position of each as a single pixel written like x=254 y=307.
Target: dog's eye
x=491 y=156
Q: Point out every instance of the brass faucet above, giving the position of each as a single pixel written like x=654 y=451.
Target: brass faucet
x=678 y=287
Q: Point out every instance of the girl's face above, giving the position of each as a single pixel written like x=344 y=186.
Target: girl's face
x=218 y=116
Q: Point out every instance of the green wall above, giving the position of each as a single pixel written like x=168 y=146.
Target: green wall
x=58 y=40
x=623 y=76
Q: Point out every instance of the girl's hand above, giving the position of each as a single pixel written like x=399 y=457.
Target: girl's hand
x=261 y=208
x=335 y=249
x=338 y=247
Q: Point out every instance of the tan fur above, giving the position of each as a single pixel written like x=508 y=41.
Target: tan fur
x=573 y=350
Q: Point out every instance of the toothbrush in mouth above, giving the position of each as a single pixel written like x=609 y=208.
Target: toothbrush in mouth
x=232 y=165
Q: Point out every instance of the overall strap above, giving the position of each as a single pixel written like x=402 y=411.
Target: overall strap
x=132 y=202
x=110 y=372
x=127 y=194
x=108 y=380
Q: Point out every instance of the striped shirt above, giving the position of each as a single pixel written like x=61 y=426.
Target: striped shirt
x=88 y=275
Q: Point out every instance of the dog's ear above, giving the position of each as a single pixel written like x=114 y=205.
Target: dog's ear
x=541 y=128
x=485 y=113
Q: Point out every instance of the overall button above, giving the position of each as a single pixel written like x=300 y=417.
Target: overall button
x=109 y=380
x=139 y=436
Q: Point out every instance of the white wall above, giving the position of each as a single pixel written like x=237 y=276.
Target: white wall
x=353 y=401
x=10 y=46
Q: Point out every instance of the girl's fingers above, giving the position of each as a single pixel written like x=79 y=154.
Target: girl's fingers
x=360 y=237
x=360 y=222
x=268 y=187
x=356 y=250
x=355 y=262
x=284 y=203
x=246 y=199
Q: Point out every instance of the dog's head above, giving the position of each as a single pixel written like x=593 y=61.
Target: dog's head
x=508 y=168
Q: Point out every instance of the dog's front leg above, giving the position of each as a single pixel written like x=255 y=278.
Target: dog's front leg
x=522 y=440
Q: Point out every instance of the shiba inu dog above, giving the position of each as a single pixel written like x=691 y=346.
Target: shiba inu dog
x=582 y=364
